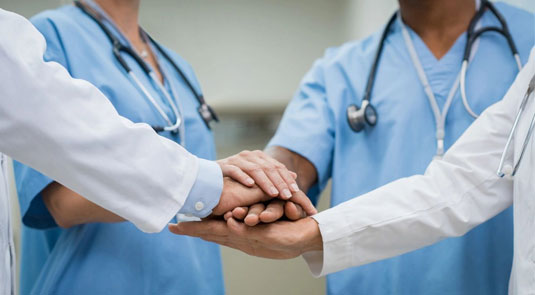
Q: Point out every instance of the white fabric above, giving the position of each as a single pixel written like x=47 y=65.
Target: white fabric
x=455 y=195
x=69 y=130
x=6 y=241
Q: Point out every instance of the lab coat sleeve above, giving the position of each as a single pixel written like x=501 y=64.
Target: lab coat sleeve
x=68 y=130
x=453 y=196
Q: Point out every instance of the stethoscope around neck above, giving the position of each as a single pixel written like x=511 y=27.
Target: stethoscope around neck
x=206 y=112
x=366 y=115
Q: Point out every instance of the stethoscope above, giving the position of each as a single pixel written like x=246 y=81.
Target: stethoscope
x=511 y=170
x=206 y=112
x=359 y=117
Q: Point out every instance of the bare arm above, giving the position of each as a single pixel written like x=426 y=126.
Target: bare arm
x=70 y=209
x=307 y=175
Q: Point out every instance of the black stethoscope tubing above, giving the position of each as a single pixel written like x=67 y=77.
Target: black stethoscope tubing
x=366 y=114
x=206 y=112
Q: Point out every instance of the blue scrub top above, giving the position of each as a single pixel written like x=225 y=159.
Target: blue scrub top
x=402 y=144
x=116 y=258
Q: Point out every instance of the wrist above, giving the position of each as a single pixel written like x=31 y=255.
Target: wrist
x=206 y=191
x=312 y=240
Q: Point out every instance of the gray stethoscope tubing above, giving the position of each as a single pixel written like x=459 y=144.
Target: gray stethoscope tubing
x=501 y=172
x=118 y=47
x=205 y=111
x=172 y=127
x=440 y=116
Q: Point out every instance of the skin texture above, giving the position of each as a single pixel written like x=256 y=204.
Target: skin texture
x=306 y=177
x=250 y=167
x=438 y=22
x=125 y=14
x=70 y=209
x=279 y=240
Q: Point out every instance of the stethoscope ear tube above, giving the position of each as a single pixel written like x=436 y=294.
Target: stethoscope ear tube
x=366 y=114
x=206 y=112
x=120 y=59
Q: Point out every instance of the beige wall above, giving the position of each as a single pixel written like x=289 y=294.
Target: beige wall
x=250 y=54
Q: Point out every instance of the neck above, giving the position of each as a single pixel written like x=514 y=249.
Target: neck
x=124 y=14
x=438 y=22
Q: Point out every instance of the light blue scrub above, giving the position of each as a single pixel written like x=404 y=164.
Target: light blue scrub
x=113 y=258
x=402 y=144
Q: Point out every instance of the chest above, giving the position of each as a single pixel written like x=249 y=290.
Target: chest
x=404 y=140
x=89 y=56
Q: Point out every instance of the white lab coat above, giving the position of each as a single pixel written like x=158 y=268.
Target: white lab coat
x=67 y=129
x=455 y=195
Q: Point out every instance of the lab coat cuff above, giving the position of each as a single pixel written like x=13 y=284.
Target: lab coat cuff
x=206 y=190
x=336 y=252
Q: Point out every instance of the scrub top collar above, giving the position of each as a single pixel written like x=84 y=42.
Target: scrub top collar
x=439 y=114
x=108 y=21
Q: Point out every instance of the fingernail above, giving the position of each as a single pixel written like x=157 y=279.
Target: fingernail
x=295 y=187
x=286 y=193
x=274 y=191
x=249 y=181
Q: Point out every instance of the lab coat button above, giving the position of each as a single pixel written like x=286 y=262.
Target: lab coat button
x=508 y=170
x=199 y=206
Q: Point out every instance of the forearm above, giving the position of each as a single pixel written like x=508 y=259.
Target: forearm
x=454 y=195
x=70 y=209
x=307 y=175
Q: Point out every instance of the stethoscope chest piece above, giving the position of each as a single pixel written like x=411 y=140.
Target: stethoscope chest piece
x=358 y=118
x=208 y=114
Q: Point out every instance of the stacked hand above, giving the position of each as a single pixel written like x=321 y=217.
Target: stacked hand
x=258 y=193
x=256 y=169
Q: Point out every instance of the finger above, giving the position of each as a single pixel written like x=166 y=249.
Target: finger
x=276 y=178
x=236 y=228
x=293 y=211
x=252 y=217
x=200 y=228
x=280 y=173
x=227 y=215
x=255 y=167
x=274 y=211
x=294 y=175
x=302 y=200
x=263 y=181
x=237 y=174
x=240 y=213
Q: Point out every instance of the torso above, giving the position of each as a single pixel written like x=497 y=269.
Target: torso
x=403 y=144
x=118 y=258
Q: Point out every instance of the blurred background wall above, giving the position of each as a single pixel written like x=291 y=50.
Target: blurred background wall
x=249 y=56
